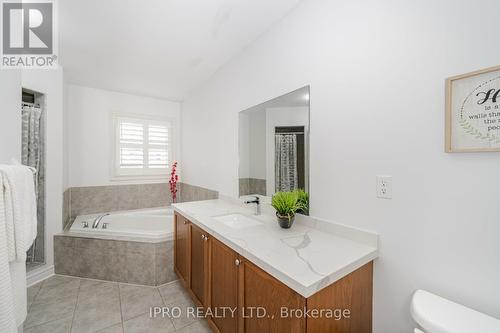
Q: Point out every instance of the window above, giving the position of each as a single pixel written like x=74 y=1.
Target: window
x=143 y=147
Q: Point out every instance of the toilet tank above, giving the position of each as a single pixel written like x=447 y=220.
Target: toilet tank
x=439 y=315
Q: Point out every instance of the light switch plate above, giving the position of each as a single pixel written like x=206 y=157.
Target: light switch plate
x=384 y=187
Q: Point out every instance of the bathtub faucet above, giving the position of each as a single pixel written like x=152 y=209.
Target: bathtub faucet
x=98 y=220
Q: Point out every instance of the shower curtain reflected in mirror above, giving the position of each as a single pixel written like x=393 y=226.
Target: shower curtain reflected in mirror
x=33 y=155
x=273 y=145
x=286 y=162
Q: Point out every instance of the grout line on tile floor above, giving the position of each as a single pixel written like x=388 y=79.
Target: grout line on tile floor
x=126 y=283
x=71 y=316
x=194 y=323
x=34 y=297
x=76 y=305
x=167 y=283
x=165 y=303
x=121 y=313
x=44 y=323
x=105 y=328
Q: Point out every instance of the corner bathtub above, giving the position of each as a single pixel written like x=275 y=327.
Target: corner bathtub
x=135 y=247
x=154 y=225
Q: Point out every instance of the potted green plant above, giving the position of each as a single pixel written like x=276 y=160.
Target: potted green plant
x=303 y=198
x=286 y=204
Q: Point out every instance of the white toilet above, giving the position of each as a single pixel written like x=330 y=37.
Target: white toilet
x=435 y=314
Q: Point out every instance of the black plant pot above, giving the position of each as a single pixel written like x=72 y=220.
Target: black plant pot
x=302 y=212
x=284 y=221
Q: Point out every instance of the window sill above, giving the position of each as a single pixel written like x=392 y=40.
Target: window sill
x=138 y=178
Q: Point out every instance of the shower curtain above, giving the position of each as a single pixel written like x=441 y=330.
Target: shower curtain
x=32 y=155
x=286 y=177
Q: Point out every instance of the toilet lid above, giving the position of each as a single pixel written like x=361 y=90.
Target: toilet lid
x=439 y=315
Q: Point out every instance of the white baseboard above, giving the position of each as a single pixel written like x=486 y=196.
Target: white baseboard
x=39 y=274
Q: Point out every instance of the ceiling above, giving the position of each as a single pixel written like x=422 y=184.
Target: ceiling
x=294 y=99
x=160 y=48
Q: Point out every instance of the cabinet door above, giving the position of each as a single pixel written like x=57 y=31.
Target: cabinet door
x=199 y=264
x=224 y=286
x=353 y=292
x=181 y=248
x=263 y=291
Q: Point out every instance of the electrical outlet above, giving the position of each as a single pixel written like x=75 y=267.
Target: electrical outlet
x=384 y=187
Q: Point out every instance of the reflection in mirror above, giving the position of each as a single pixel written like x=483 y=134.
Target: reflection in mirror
x=274 y=145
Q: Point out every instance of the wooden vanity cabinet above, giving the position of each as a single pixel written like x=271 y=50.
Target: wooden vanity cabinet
x=261 y=290
x=219 y=278
x=200 y=251
x=182 y=248
x=224 y=287
x=353 y=292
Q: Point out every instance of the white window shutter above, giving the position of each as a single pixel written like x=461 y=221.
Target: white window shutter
x=143 y=147
x=158 y=146
x=131 y=133
x=131 y=157
x=131 y=145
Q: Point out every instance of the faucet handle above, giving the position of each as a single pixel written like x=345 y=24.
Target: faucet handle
x=255 y=200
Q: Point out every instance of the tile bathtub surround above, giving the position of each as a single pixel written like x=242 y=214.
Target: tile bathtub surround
x=252 y=186
x=195 y=193
x=66 y=208
x=63 y=304
x=120 y=261
x=102 y=199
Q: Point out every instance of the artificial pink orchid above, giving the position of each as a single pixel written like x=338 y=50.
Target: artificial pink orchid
x=174 y=178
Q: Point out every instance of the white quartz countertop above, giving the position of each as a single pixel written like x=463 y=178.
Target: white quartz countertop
x=309 y=256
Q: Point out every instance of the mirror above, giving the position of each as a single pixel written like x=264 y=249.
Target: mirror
x=274 y=145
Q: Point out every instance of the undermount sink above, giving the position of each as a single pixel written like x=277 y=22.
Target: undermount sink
x=237 y=221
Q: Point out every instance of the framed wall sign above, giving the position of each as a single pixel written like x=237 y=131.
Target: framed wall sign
x=473 y=111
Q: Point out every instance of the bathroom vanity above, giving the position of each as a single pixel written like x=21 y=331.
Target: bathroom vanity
x=252 y=276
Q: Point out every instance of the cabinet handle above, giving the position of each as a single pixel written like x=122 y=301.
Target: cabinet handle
x=185 y=221
x=203 y=237
x=206 y=238
x=237 y=262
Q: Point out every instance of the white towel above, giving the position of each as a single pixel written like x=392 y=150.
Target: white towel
x=7 y=305
x=20 y=208
x=8 y=216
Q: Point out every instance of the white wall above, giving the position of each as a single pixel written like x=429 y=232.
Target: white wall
x=377 y=71
x=10 y=115
x=244 y=145
x=50 y=83
x=255 y=150
x=252 y=143
x=90 y=135
x=65 y=137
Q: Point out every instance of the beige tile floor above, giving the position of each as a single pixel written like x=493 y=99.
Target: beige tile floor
x=64 y=304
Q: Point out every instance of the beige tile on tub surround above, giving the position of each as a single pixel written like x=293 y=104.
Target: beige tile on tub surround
x=112 y=260
x=252 y=186
x=165 y=263
x=101 y=199
x=66 y=208
x=195 y=193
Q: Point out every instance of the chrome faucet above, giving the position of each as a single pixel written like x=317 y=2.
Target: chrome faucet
x=256 y=201
x=98 y=220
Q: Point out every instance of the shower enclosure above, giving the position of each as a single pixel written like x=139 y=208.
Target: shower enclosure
x=33 y=155
x=289 y=158
x=274 y=145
